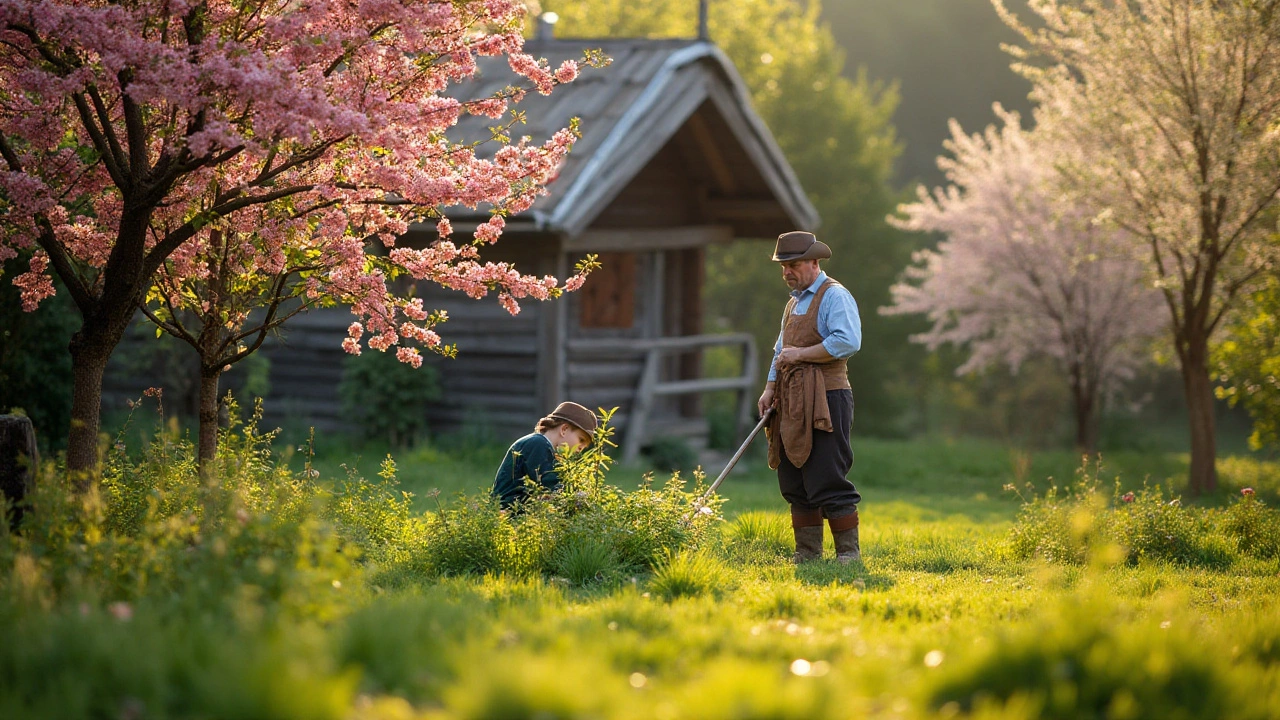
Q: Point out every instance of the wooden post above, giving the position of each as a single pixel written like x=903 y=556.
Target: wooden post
x=641 y=407
x=18 y=461
x=746 y=404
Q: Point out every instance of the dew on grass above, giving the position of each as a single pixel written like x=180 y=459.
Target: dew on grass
x=933 y=658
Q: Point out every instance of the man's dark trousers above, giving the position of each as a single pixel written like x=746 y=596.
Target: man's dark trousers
x=823 y=482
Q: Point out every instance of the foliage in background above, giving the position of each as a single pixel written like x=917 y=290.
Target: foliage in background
x=387 y=400
x=1247 y=361
x=35 y=367
x=836 y=134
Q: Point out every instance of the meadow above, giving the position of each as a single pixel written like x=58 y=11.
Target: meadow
x=303 y=584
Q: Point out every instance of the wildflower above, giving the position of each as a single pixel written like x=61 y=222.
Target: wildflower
x=1127 y=497
x=121 y=611
x=1247 y=492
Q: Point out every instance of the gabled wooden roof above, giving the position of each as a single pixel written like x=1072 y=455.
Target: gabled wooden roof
x=631 y=110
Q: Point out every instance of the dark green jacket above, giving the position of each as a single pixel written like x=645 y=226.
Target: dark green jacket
x=532 y=456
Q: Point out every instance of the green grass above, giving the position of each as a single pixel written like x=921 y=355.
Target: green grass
x=941 y=620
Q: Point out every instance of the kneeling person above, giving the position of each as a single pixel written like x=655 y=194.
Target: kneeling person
x=534 y=455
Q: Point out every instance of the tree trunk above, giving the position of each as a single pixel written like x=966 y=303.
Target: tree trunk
x=208 y=416
x=1199 y=392
x=1084 y=398
x=1084 y=402
x=19 y=459
x=89 y=355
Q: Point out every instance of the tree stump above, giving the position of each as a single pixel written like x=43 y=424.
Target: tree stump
x=18 y=461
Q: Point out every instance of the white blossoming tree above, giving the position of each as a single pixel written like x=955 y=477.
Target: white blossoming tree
x=1172 y=111
x=1022 y=272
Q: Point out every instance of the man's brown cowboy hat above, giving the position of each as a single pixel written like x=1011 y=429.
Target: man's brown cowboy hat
x=799 y=245
x=576 y=415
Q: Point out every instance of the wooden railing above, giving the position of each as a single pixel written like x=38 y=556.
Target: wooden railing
x=651 y=387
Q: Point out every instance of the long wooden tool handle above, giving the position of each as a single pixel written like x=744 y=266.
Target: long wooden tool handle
x=736 y=456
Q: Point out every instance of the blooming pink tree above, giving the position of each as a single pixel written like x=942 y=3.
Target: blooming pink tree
x=1022 y=271
x=175 y=149
x=1170 y=108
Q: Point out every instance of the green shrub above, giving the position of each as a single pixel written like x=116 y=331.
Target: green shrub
x=471 y=537
x=671 y=454
x=1253 y=528
x=384 y=398
x=1071 y=525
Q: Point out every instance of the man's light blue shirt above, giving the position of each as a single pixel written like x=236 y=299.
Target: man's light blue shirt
x=838 y=321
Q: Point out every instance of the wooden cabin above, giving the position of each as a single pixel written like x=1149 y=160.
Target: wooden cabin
x=672 y=159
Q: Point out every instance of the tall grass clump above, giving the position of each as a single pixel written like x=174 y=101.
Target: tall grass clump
x=589 y=529
x=1070 y=524
x=687 y=574
x=759 y=533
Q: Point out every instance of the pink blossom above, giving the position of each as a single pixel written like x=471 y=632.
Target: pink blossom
x=355 y=330
x=1127 y=497
x=35 y=284
x=121 y=611
x=1247 y=492
x=567 y=72
x=409 y=356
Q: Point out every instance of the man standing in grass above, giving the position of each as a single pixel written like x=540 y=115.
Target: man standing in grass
x=533 y=457
x=809 y=390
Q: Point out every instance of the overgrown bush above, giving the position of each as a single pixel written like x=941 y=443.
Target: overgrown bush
x=588 y=522
x=153 y=531
x=159 y=594
x=385 y=398
x=1254 y=526
x=1071 y=524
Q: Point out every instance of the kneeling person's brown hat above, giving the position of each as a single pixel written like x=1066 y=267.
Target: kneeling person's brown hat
x=800 y=245
x=576 y=415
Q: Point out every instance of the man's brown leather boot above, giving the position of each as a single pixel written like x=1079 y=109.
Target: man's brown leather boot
x=844 y=530
x=807 y=526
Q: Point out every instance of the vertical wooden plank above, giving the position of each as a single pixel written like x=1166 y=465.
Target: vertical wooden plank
x=746 y=397
x=641 y=408
x=552 y=357
x=693 y=274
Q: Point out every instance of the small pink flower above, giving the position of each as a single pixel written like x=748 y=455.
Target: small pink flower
x=1127 y=497
x=121 y=611
x=1247 y=492
x=154 y=392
